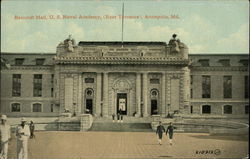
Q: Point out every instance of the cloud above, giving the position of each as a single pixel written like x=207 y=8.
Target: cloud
x=200 y=34
x=235 y=42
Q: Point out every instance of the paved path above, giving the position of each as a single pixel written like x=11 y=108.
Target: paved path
x=131 y=145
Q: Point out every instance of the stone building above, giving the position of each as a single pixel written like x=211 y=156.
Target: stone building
x=140 y=78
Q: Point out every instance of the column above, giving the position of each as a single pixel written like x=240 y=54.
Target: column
x=105 y=94
x=186 y=91
x=145 y=94
x=98 y=94
x=163 y=94
x=138 y=94
x=79 y=100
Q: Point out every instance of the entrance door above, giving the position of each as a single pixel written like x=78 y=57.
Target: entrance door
x=154 y=107
x=122 y=103
x=89 y=106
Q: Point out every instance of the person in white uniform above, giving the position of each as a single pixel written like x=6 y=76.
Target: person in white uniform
x=4 y=136
x=22 y=134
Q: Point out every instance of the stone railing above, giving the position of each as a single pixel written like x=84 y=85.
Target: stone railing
x=86 y=121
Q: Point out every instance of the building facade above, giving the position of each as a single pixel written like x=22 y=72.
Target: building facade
x=138 y=78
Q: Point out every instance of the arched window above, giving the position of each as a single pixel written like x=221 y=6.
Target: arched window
x=37 y=107
x=89 y=95
x=154 y=101
x=206 y=109
x=15 y=107
x=227 y=109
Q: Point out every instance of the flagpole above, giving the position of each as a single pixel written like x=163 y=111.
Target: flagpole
x=122 y=21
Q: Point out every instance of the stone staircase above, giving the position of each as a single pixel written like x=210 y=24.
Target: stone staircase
x=129 y=124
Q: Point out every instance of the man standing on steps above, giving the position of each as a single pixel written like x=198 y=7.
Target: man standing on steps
x=160 y=130
x=170 y=132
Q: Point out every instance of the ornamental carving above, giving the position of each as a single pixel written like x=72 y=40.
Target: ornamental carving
x=122 y=84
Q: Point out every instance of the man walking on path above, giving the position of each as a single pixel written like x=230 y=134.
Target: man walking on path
x=4 y=136
x=160 y=130
x=170 y=132
x=22 y=134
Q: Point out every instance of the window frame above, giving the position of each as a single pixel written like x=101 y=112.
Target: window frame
x=223 y=109
x=32 y=107
x=206 y=113
x=210 y=87
x=35 y=84
x=20 y=105
x=231 y=90
x=17 y=83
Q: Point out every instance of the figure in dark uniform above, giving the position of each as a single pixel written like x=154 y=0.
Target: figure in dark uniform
x=120 y=117
x=32 y=129
x=160 y=130
x=170 y=132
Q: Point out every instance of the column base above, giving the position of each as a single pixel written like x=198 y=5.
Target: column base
x=138 y=115
x=145 y=115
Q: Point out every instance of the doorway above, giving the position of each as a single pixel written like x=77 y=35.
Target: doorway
x=89 y=106
x=122 y=103
x=154 y=107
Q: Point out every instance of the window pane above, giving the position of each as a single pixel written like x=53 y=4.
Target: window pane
x=37 y=107
x=154 y=81
x=246 y=87
x=15 y=107
x=227 y=86
x=247 y=109
x=16 y=85
x=206 y=87
x=204 y=62
x=206 y=109
x=37 y=85
x=225 y=62
x=19 y=61
x=89 y=80
x=228 y=109
x=40 y=61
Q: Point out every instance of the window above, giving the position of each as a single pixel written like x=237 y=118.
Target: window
x=52 y=85
x=206 y=109
x=246 y=87
x=191 y=93
x=154 y=81
x=37 y=107
x=191 y=109
x=204 y=62
x=19 y=61
x=37 y=88
x=191 y=89
x=89 y=80
x=52 y=108
x=227 y=86
x=16 y=85
x=89 y=93
x=225 y=62
x=227 y=109
x=246 y=109
x=206 y=87
x=40 y=61
x=15 y=107
x=244 y=62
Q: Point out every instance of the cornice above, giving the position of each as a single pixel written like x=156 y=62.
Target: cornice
x=220 y=68
x=30 y=67
x=122 y=60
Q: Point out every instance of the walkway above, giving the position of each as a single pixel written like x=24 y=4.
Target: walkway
x=131 y=145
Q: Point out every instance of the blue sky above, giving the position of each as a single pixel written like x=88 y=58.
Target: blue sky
x=205 y=26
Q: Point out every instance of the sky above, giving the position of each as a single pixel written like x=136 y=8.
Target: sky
x=204 y=26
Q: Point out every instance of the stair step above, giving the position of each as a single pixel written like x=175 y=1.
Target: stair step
x=123 y=127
